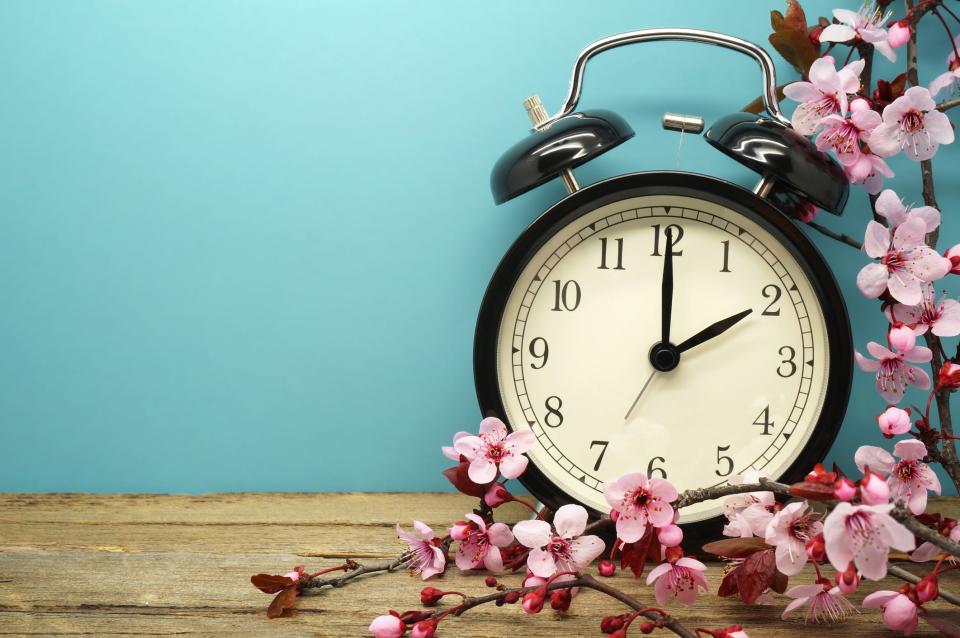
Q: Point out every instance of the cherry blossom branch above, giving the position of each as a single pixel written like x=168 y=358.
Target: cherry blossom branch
x=913 y=579
x=585 y=581
x=905 y=518
x=948 y=104
x=358 y=571
x=840 y=237
x=691 y=497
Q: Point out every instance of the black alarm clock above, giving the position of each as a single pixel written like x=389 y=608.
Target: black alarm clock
x=665 y=322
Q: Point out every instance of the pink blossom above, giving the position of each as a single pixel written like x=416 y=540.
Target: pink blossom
x=890 y=206
x=788 y=531
x=638 y=501
x=497 y=495
x=953 y=254
x=387 y=627
x=894 y=421
x=827 y=604
x=451 y=451
x=868 y=171
x=902 y=338
x=426 y=558
x=864 y=534
x=748 y=514
x=898 y=34
x=910 y=477
x=424 y=629
x=927 y=551
x=906 y=262
x=913 y=124
x=848 y=580
x=481 y=546
x=951 y=78
x=894 y=373
x=844 y=489
x=941 y=318
x=842 y=134
x=874 y=490
x=495 y=450
x=825 y=93
x=865 y=24
x=670 y=535
x=681 y=580
x=899 y=612
x=562 y=551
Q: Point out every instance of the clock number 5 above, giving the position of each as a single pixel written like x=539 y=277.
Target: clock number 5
x=787 y=367
x=723 y=458
x=603 y=450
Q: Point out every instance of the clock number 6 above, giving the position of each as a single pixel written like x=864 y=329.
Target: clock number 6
x=651 y=469
x=787 y=367
x=596 y=466
x=554 y=418
x=724 y=458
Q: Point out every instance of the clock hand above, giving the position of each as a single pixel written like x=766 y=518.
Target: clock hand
x=642 y=390
x=713 y=330
x=666 y=289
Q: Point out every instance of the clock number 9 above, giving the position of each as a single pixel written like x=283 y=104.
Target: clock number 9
x=651 y=469
x=788 y=366
x=554 y=418
x=723 y=458
x=543 y=355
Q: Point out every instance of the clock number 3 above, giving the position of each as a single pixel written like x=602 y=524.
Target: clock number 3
x=787 y=367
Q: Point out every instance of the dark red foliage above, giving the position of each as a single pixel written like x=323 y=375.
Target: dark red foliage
x=460 y=479
x=756 y=574
x=736 y=547
x=635 y=555
x=814 y=491
x=887 y=92
x=271 y=584
x=792 y=39
x=284 y=587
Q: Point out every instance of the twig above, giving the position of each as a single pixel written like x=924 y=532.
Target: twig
x=913 y=579
x=949 y=104
x=691 y=497
x=840 y=237
x=923 y=532
x=360 y=570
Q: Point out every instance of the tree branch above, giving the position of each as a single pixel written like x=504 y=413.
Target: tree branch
x=840 y=237
x=913 y=579
x=691 y=497
x=360 y=570
x=949 y=104
x=923 y=532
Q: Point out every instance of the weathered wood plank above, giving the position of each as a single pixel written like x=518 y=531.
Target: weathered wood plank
x=162 y=565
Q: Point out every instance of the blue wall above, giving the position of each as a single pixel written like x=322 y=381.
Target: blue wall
x=242 y=244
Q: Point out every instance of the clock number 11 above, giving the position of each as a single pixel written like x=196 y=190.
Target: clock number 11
x=603 y=254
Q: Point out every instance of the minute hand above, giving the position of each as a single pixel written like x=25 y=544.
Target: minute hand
x=713 y=330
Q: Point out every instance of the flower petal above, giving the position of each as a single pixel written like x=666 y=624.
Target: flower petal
x=499 y=535
x=585 y=549
x=482 y=470
x=513 y=465
x=532 y=533
x=876 y=240
x=872 y=280
x=878 y=459
x=837 y=33
x=570 y=520
x=541 y=563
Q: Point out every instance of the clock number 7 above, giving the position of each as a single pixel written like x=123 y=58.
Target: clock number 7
x=596 y=466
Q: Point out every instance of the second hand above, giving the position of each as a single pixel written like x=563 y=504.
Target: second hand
x=642 y=390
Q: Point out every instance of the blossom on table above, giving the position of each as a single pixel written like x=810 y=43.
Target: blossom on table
x=681 y=579
x=639 y=501
x=951 y=78
x=426 y=558
x=495 y=450
x=789 y=531
x=387 y=626
x=825 y=93
x=912 y=124
x=927 y=550
x=899 y=612
x=864 y=534
x=563 y=550
x=843 y=135
x=942 y=317
x=894 y=421
x=866 y=24
x=480 y=545
x=910 y=477
x=827 y=604
x=894 y=372
x=905 y=261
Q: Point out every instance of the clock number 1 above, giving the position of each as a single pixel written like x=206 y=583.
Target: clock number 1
x=596 y=466
x=726 y=256
x=603 y=254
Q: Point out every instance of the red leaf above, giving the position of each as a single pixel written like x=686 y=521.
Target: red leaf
x=946 y=622
x=460 y=479
x=270 y=584
x=736 y=547
x=728 y=586
x=635 y=555
x=813 y=491
x=780 y=581
x=281 y=602
x=756 y=575
x=796 y=19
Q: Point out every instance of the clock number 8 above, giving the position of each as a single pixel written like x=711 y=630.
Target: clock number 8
x=554 y=418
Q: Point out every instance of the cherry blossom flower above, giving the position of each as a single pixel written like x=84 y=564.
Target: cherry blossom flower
x=927 y=551
x=941 y=318
x=480 y=547
x=890 y=206
x=949 y=375
x=912 y=124
x=953 y=254
x=495 y=450
x=451 y=451
x=902 y=338
x=864 y=534
x=562 y=551
x=748 y=514
x=843 y=134
x=899 y=612
x=951 y=78
x=865 y=24
x=874 y=489
x=825 y=93
x=680 y=580
x=639 y=501
x=906 y=262
x=387 y=627
x=788 y=531
x=670 y=535
x=899 y=33
x=426 y=558
x=827 y=604
x=868 y=171
x=910 y=477
x=894 y=372
x=894 y=421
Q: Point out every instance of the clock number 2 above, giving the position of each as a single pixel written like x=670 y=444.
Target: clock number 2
x=603 y=450
x=566 y=296
x=770 y=311
x=554 y=418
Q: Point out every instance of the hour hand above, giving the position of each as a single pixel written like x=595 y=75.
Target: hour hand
x=713 y=330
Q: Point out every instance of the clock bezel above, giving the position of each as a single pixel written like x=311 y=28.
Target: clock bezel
x=761 y=211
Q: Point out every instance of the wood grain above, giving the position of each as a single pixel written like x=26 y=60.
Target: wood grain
x=157 y=565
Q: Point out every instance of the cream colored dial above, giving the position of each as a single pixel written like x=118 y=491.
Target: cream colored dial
x=573 y=344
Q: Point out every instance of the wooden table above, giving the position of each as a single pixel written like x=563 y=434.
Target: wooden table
x=148 y=565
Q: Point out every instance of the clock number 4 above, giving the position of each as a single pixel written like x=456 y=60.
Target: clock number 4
x=603 y=254
x=676 y=231
x=764 y=419
x=566 y=296
x=603 y=450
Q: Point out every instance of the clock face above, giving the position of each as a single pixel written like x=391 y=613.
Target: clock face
x=578 y=323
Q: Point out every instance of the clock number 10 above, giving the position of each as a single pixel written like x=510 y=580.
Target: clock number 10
x=566 y=295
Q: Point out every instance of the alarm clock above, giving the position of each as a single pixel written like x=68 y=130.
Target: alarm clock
x=665 y=322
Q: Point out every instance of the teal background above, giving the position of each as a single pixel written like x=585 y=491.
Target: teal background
x=242 y=244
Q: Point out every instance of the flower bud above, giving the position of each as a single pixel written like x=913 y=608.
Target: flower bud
x=430 y=596
x=670 y=535
x=560 y=599
x=614 y=515
x=620 y=633
x=511 y=597
x=848 y=580
x=894 y=421
x=610 y=624
x=873 y=489
x=460 y=530
x=903 y=338
x=953 y=254
x=424 y=629
x=859 y=104
x=387 y=627
x=647 y=627
x=606 y=568
x=928 y=588
x=899 y=33
x=673 y=554
x=490 y=581
x=844 y=489
x=949 y=376
x=816 y=549
x=533 y=601
x=497 y=495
